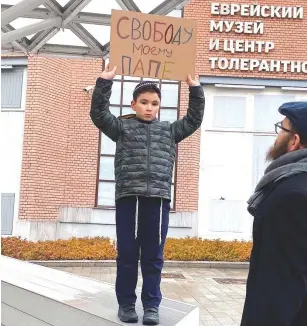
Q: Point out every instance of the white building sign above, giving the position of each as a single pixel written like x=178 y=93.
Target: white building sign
x=232 y=46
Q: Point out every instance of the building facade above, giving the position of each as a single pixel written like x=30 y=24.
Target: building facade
x=57 y=177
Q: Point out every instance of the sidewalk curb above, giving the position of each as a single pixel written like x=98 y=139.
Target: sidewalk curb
x=169 y=263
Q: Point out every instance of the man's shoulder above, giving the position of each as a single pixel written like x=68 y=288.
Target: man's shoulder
x=288 y=194
x=295 y=186
x=296 y=183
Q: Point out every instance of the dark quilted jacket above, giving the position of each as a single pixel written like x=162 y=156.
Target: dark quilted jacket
x=145 y=151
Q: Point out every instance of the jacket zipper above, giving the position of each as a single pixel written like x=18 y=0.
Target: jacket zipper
x=148 y=160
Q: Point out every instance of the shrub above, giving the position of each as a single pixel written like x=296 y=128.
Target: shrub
x=73 y=249
x=188 y=249
x=207 y=250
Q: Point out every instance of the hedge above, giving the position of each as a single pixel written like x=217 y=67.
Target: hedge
x=188 y=249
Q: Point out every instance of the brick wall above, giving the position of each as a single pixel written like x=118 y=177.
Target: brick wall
x=59 y=164
x=289 y=36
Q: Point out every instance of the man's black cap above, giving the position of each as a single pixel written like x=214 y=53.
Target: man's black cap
x=296 y=112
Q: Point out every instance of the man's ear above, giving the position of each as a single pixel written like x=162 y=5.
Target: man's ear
x=295 y=143
x=133 y=105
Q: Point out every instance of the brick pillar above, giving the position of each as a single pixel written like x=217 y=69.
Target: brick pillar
x=59 y=164
x=187 y=163
x=82 y=138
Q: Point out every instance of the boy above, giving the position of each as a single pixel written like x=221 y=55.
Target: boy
x=144 y=160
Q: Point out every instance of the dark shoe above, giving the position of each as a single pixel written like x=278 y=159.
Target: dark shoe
x=127 y=313
x=151 y=316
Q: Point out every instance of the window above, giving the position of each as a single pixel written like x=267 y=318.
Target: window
x=260 y=144
x=265 y=110
x=120 y=104
x=7 y=213
x=249 y=115
x=229 y=112
x=12 y=90
x=265 y=115
x=237 y=132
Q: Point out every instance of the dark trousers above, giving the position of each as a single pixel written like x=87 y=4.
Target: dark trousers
x=141 y=226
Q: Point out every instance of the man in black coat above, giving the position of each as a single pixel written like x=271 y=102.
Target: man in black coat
x=277 y=282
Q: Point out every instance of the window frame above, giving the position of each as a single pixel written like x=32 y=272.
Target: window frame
x=123 y=80
x=23 y=91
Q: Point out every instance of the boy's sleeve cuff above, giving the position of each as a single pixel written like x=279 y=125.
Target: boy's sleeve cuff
x=196 y=89
x=101 y=82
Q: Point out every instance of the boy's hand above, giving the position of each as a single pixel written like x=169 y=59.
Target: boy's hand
x=192 y=82
x=109 y=74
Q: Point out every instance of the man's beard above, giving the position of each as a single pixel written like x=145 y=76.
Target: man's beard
x=277 y=151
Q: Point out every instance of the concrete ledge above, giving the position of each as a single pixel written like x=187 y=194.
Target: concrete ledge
x=90 y=222
x=39 y=296
x=169 y=263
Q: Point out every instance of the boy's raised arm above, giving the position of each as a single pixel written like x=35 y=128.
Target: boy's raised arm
x=186 y=126
x=100 y=113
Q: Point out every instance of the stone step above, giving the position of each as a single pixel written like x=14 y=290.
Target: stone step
x=33 y=295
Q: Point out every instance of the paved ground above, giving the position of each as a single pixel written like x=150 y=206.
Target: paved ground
x=219 y=304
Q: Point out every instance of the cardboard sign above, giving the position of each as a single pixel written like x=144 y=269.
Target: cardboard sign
x=152 y=46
